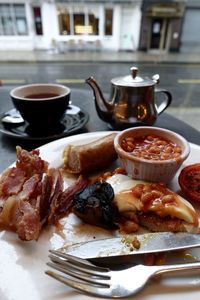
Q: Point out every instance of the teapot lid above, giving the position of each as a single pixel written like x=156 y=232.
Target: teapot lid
x=134 y=81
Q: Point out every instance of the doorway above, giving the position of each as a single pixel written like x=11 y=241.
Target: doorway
x=160 y=34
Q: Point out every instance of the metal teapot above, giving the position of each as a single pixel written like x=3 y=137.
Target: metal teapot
x=132 y=100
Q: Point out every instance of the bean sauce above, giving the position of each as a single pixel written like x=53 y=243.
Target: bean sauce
x=151 y=147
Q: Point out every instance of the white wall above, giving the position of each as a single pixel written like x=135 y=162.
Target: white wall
x=126 y=28
x=130 y=28
x=112 y=42
x=136 y=24
x=50 y=24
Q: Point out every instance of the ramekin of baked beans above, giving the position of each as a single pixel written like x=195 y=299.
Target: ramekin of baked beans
x=151 y=153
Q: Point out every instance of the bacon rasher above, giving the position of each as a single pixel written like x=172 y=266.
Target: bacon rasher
x=64 y=202
x=32 y=195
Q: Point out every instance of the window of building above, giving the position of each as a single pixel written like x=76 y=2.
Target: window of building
x=94 y=24
x=6 y=20
x=78 y=23
x=64 y=22
x=108 y=26
x=13 y=19
x=37 y=20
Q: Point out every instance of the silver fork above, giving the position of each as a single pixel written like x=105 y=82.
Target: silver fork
x=103 y=282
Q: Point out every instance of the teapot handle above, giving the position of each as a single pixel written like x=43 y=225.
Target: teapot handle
x=166 y=102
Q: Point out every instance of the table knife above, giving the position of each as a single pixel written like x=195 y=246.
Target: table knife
x=130 y=245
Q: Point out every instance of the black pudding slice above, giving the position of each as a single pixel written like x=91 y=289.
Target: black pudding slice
x=94 y=204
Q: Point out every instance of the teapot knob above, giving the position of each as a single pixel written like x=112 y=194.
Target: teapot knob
x=134 y=71
x=156 y=78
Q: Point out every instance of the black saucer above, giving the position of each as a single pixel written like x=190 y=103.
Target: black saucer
x=74 y=119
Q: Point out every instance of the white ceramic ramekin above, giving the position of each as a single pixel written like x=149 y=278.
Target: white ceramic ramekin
x=151 y=170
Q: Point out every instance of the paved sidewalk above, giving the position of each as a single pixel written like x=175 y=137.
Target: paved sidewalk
x=97 y=56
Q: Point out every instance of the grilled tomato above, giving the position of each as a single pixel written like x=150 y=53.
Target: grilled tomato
x=189 y=181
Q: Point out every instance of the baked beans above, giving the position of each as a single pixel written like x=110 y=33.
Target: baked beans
x=108 y=174
x=151 y=147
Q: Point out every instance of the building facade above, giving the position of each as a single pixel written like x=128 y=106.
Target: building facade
x=69 y=25
x=129 y=25
x=161 y=25
x=190 y=38
x=170 y=25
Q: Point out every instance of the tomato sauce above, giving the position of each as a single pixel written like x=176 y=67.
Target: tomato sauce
x=151 y=147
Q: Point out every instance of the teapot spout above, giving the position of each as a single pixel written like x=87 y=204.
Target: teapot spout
x=103 y=107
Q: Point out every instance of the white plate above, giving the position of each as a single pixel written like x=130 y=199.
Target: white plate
x=22 y=264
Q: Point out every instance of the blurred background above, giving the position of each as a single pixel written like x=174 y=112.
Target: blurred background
x=67 y=41
x=148 y=25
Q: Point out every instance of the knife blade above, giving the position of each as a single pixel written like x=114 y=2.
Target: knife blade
x=131 y=245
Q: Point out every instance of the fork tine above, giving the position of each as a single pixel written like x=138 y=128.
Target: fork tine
x=78 y=261
x=82 y=287
x=76 y=268
x=81 y=276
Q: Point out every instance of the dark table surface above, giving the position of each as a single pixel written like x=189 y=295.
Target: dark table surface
x=83 y=99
